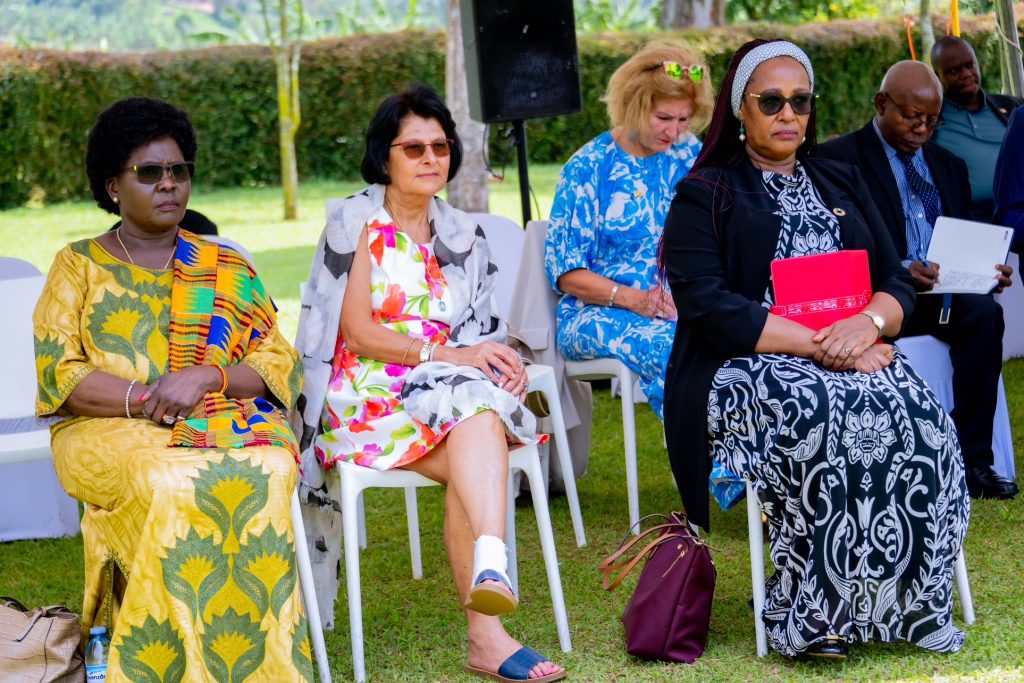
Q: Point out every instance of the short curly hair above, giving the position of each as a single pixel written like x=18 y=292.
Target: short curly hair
x=635 y=85
x=417 y=99
x=124 y=127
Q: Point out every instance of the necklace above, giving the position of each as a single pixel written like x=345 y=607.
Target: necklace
x=117 y=234
x=398 y=222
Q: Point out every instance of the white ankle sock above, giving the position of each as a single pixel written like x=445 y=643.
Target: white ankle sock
x=489 y=552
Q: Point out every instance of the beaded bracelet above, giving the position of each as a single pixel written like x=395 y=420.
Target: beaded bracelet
x=128 y=398
x=406 y=352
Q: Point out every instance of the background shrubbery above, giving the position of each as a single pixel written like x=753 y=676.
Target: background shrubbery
x=48 y=99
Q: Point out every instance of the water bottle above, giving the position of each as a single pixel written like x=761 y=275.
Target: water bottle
x=96 y=655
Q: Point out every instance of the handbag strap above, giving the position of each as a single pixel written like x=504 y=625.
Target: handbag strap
x=629 y=565
x=8 y=601
x=625 y=547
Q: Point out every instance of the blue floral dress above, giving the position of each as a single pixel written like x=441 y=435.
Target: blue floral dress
x=608 y=215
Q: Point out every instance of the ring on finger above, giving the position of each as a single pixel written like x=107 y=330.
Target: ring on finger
x=167 y=419
x=847 y=350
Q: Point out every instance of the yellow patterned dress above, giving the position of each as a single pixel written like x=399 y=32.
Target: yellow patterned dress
x=189 y=552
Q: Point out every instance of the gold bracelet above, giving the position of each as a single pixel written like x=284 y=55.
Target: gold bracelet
x=223 y=379
x=405 y=353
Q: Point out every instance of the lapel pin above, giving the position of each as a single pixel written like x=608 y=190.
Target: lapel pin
x=839 y=212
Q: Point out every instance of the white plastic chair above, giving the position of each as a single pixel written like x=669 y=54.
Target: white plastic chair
x=757 y=577
x=930 y=359
x=505 y=240
x=611 y=368
x=1012 y=301
x=355 y=479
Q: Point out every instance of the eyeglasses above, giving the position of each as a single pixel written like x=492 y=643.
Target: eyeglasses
x=151 y=174
x=675 y=70
x=771 y=103
x=414 y=149
x=917 y=119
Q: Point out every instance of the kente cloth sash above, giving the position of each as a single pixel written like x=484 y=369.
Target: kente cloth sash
x=220 y=312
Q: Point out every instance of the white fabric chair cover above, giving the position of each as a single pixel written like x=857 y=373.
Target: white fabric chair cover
x=32 y=502
x=930 y=358
x=1012 y=301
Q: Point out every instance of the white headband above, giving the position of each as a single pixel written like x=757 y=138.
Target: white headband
x=760 y=54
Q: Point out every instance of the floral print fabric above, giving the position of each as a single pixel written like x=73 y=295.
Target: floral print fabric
x=608 y=216
x=384 y=415
x=860 y=476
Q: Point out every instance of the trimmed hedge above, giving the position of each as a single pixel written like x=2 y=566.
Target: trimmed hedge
x=48 y=99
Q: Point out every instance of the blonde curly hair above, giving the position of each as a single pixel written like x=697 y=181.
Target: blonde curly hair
x=634 y=87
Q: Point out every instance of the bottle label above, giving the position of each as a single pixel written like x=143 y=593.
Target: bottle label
x=96 y=674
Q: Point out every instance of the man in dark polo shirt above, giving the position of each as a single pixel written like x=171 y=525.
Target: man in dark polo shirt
x=973 y=122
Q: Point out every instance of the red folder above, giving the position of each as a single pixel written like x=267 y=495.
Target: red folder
x=816 y=291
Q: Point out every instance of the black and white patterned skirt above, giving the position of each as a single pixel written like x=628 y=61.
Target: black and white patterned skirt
x=862 y=481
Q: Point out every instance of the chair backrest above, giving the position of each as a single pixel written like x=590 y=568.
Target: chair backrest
x=18 y=299
x=220 y=239
x=11 y=268
x=505 y=240
x=1012 y=301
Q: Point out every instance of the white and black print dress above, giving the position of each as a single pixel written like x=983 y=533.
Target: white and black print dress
x=860 y=476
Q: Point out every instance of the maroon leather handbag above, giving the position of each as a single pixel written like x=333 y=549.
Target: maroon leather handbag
x=669 y=614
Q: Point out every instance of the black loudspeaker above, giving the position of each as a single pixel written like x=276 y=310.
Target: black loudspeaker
x=521 y=59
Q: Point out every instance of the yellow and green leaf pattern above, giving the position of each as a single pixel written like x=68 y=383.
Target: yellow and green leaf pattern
x=153 y=653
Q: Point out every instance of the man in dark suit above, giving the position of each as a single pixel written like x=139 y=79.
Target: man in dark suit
x=973 y=122
x=913 y=181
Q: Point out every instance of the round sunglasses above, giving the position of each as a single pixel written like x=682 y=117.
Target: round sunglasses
x=414 y=149
x=151 y=174
x=771 y=103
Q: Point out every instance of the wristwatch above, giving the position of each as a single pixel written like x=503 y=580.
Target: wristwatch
x=877 y=320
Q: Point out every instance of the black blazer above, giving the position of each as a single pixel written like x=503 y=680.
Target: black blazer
x=864 y=150
x=719 y=241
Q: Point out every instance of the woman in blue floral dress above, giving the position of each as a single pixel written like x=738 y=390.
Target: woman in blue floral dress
x=609 y=210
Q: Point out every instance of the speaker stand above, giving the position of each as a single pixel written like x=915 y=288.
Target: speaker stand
x=519 y=133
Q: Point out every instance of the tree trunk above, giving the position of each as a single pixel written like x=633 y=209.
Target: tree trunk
x=927 y=32
x=692 y=13
x=286 y=53
x=1009 y=49
x=468 y=190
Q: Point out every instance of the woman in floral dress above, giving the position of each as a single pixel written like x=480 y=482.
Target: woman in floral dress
x=405 y=362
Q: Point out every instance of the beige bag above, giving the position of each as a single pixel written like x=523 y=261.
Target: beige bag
x=39 y=646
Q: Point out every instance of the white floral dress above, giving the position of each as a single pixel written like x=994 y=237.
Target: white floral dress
x=372 y=415
x=860 y=476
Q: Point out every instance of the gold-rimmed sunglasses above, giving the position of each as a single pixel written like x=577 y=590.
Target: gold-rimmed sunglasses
x=151 y=174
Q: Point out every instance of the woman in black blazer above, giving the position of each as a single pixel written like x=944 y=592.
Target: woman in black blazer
x=856 y=465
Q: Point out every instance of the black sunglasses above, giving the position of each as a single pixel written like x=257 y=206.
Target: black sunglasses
x=771 y=103
x=151 y=174
x=416 y=149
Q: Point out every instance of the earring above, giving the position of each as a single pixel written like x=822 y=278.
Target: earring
x=116 y=200
x=743 y=132
x=803 y=139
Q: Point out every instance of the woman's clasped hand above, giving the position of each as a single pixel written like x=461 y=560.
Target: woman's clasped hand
x=173 y=396
x=841 y=344
x=499 y=362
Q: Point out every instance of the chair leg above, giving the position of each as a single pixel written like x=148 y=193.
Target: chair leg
x=362 y=522
x=510 y=534
x=412 y=516
x=350 y=498
x=756 y=566
x=565 y=463
x=316 y=629
x=531 y=467
x=963 y=587
x=629 y=441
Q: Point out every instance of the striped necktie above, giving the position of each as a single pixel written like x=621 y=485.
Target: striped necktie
x=926 y=191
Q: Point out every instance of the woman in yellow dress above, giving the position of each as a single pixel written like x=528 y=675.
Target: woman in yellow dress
x=162 y=353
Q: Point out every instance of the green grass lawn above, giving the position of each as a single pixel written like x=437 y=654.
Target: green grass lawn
x=413 y=629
